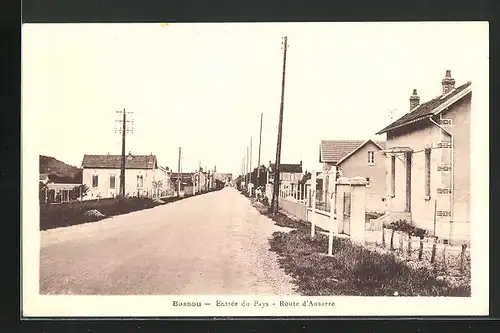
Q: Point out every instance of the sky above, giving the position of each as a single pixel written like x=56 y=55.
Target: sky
x=204 y=86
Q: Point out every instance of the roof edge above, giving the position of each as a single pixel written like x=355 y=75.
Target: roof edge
x=434 y=111
x=355 y=150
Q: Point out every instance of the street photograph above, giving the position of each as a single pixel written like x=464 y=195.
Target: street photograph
x=274 y=166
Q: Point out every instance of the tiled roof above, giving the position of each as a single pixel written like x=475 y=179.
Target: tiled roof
x=424 y=110
x=115 y=161
x=291 y=168
x=332 y=151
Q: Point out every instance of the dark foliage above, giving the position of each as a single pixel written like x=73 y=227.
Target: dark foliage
x=408 y=228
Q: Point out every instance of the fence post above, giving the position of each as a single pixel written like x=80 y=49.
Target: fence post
x=333 y=221
x=421 y=249
x=313 y=203
x=433 y=254
x=342 y=188
x=444 y=258
x=392 y=239
x=383 y=236
x=462 y=258
x=409 y=245
x=358 y=210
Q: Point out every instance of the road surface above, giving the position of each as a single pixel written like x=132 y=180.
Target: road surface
x=215 y=243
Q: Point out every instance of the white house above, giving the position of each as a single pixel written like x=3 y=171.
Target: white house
x=101 y=173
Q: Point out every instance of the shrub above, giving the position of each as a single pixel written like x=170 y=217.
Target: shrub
x=407 y=228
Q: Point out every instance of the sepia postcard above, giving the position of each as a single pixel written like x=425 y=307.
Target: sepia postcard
x=255 y=169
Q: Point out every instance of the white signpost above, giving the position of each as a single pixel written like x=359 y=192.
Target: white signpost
x=313 y=203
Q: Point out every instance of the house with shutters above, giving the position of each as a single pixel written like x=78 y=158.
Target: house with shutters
x=289 y=173
x=101 y=173
x=428 y=163
x=354 y=158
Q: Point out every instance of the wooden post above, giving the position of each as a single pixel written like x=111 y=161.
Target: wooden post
x=392 y=239
x=433 y=254
x=462 y=258
x=444 y=258
x=383 y=236
x=409 y=245
x=421 y=249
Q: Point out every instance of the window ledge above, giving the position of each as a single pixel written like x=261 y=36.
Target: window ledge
x=371 y=164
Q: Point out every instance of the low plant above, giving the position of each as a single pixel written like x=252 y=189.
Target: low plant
x=408 y=228
x=353 y=270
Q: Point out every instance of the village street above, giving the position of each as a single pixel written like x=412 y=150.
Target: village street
x=215 y=243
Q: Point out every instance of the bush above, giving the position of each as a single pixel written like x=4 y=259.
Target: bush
x=407 y=228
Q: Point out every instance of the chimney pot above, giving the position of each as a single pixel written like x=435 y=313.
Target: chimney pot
x=414 y=100
x=448 y=82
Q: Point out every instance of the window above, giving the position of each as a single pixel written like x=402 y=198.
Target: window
x=112 y=181
x=368 y=181
x=371 y=157
x=95 y=180
x=393 y=176
x=427 y=173
x=140 y=181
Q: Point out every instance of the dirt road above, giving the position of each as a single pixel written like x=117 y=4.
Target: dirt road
x=215 y=243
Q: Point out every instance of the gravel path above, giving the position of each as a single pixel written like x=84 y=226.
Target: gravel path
x=216 y=243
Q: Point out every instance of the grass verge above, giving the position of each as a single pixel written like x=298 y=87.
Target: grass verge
x=352 y=270
x=73 y=213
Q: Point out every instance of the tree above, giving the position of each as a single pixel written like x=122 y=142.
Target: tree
x=157 y=185
x=78 y=191
x=42 y=190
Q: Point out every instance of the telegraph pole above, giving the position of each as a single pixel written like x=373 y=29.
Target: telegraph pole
x=251 y=170
x=258 y=159
x=123 y=129
x=248 y=169
x=179 y=174
x=275 y=203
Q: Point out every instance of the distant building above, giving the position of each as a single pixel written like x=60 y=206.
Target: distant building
x=101 y=173
x=356 y=158
x=428 y=163
x=56 y=189
x=289 y=175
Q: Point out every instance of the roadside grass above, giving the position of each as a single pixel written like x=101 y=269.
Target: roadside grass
x=353 y=270
x=73 y=213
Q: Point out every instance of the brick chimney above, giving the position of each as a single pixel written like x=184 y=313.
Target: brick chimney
x=448 y=82
x=414 y=100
